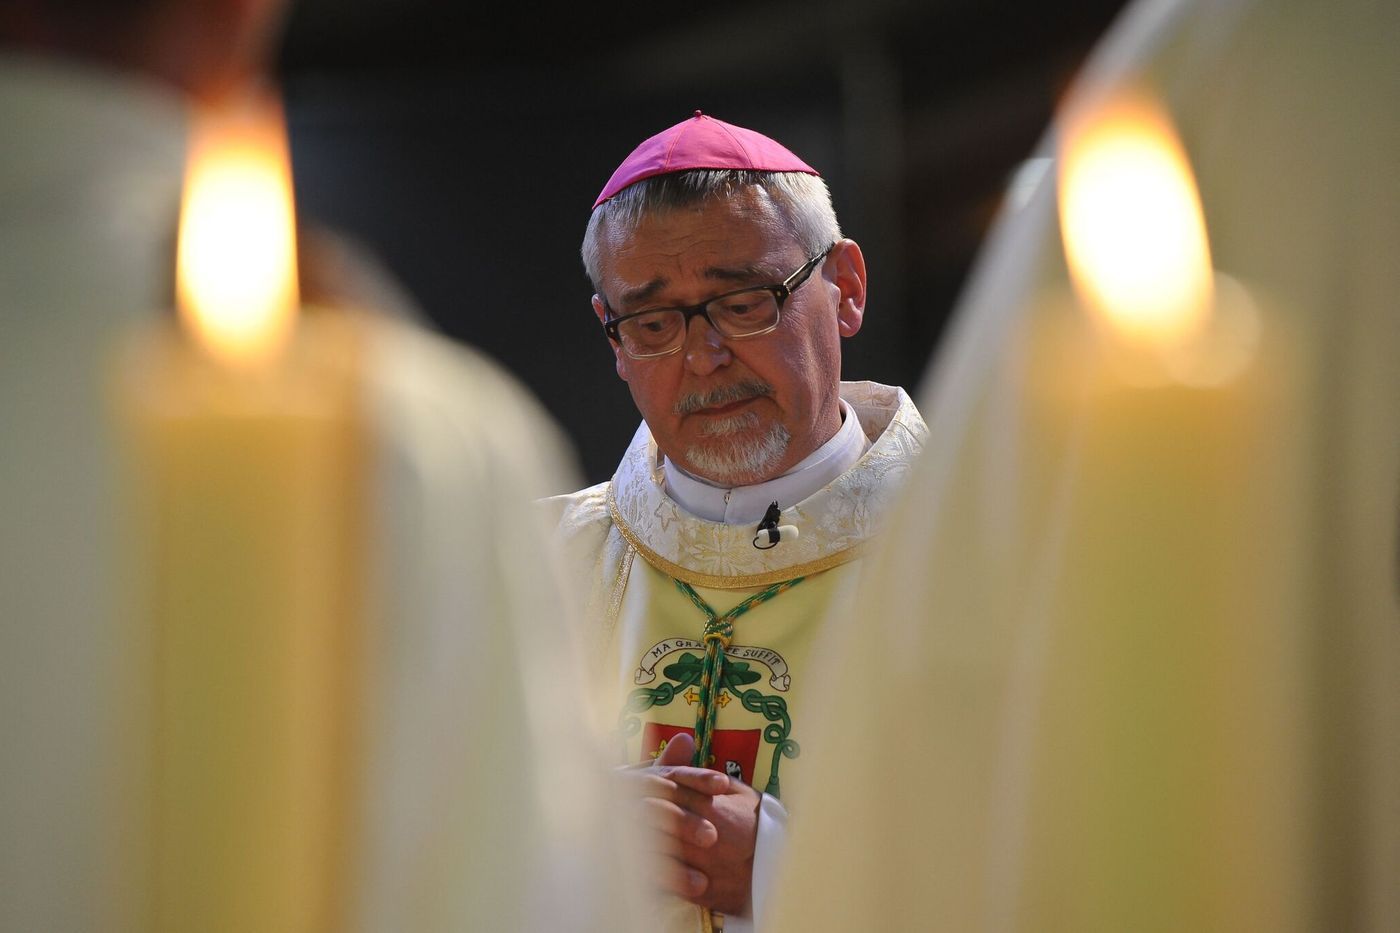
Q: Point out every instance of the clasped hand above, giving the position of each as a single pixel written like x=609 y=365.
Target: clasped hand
x=699 y=827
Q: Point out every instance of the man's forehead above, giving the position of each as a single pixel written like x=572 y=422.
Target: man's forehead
x=664 y=252
x=722 y=274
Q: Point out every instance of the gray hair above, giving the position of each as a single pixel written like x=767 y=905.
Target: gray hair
x=802 y=200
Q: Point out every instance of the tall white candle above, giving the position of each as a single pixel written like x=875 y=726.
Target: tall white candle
x=246 y=443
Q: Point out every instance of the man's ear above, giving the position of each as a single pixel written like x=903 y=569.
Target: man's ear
x=846 y=268
x=619 y=358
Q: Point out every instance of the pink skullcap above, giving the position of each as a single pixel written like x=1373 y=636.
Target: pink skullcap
x=702 y=142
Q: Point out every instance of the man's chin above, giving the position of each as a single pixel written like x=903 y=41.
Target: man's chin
x=739 y=459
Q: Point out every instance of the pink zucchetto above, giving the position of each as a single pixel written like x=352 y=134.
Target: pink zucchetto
x=702 y=142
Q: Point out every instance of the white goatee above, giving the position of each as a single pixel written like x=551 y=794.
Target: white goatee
x=740 y=458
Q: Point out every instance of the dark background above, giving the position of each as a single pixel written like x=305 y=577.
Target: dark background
x=465 y=148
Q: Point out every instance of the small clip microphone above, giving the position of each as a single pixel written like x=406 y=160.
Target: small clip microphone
x=770 y=532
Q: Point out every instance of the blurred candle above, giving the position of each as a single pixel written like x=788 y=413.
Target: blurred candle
x=246 y=445
x=1169 y=787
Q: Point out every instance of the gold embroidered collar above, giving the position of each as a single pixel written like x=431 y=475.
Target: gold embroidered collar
x=835 y=522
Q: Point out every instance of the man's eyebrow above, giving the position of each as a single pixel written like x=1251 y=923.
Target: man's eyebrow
x=737 y=275
x=754 y=272
x=640 y=294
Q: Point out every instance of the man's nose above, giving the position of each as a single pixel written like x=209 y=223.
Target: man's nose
x=705 y=348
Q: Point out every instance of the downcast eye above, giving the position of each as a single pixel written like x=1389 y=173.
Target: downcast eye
x=747 y=304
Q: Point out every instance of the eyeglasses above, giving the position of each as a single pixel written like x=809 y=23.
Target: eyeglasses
x=748 y=312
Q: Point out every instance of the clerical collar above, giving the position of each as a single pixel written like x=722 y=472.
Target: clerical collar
x=742 y=505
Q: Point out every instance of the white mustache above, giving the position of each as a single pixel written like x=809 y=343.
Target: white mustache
x=724 y=395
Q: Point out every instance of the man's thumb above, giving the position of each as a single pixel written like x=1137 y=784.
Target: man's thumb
x=678 y=751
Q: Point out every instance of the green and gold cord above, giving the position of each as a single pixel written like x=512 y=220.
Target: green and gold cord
x=719 y=632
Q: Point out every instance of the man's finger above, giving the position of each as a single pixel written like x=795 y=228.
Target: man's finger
x=666 y=817
x=658 y=783
x=702 y=780
x=679 y=750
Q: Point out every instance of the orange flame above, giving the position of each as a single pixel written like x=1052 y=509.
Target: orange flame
x=236 y=272
x=1132 y=224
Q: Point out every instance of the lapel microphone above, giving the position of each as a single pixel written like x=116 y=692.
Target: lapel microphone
x=770 y=532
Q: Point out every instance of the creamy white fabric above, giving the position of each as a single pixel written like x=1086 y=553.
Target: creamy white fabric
x=767 y=857
x=486 y=806
x=90 y=172
x=1131 y=659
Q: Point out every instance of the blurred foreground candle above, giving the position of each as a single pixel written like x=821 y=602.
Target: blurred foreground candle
x=1169 y=791
x=246 y=445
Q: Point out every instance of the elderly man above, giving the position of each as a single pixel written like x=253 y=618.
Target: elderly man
x=725 y=286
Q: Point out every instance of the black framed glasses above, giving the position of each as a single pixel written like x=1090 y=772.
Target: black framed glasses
x=748 y=312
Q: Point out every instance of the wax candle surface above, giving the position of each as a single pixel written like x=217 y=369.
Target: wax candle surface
x=245 y=443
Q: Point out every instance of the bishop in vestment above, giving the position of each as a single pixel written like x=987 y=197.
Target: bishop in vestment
x=725 y=546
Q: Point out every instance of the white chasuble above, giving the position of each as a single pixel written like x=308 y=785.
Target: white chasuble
x=648 y=633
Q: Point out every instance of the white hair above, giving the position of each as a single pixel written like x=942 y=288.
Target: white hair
x=802 y=200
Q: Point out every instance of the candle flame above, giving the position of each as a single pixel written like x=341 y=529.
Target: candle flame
x=1131 y=219
x=236 y=267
